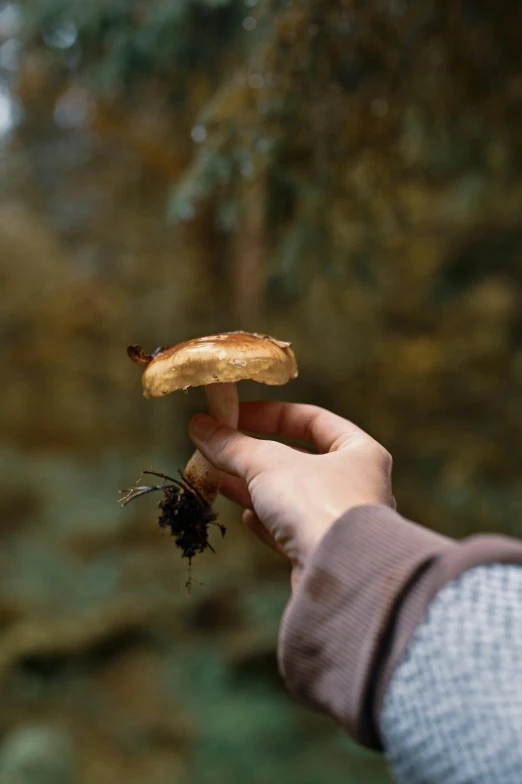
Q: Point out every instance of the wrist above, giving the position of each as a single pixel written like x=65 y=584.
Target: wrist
x=328 y=516
x=335 y=626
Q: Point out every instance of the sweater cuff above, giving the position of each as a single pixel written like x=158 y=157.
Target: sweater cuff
x=361 y=597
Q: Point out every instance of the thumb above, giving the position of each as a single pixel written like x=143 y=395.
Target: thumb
x=230 y=450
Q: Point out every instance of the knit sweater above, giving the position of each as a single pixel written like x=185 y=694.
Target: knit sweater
x=452 y=713
x=413 y=642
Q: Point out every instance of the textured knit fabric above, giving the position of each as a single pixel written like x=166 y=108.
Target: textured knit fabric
x=360 y=600
x=334 y=627
x=452 y=713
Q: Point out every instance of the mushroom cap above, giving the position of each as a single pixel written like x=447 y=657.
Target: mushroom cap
x=225 y=358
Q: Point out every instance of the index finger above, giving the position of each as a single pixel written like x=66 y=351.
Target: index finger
x=328 y=432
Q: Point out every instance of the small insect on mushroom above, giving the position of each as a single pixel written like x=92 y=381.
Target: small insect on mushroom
x=216 y=363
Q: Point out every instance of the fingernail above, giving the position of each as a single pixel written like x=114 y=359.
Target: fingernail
x=201 y=426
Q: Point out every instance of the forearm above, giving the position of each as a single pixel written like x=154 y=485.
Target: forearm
x=360 y=602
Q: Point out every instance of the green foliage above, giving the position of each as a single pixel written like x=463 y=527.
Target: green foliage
x=114 y=43
x=210 y=170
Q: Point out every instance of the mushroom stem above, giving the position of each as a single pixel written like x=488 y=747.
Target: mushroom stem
x=223 y=406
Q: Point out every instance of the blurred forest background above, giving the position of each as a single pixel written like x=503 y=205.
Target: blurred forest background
x=344 y=174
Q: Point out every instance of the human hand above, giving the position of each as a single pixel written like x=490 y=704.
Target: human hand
x=292 y=496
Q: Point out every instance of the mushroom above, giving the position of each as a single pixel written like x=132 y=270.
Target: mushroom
x=217 y=362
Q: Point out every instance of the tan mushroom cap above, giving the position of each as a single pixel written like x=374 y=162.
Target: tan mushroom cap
x=225 y=358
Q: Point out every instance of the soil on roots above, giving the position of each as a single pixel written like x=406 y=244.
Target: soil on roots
x=183 y=511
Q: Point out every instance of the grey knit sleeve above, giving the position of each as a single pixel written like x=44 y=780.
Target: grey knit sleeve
x=452 y=713
x=364 y=594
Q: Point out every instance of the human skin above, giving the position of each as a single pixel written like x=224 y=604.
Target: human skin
x=291 y=495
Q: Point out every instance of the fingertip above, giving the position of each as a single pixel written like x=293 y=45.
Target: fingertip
x=201 y=426
x=219 y=444
x=249 y=518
